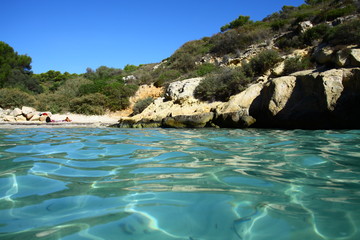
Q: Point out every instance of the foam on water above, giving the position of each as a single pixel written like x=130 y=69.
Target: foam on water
x=194 y=184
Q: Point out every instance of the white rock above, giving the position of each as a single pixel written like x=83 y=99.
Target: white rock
x=16 y=112
x=26 y=110
x=182 y=91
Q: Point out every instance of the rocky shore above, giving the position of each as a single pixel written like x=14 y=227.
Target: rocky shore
x=322 y=98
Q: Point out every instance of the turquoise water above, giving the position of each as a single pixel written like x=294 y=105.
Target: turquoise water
x=90 y=183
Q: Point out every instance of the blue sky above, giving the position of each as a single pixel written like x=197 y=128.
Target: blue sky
x=71 y=35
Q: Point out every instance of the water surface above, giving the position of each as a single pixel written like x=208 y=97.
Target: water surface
x=203 y=184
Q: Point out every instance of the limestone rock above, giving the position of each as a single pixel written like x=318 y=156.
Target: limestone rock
x=9 y=118
x=323 y=55
x=20 y=118
x=181 y=91
x=340 y=57
x=16 y=112
x=306 y=99
x=354 y=58
x=26 y=110
x=242 y=100
x=33 y=117
x=188 y=121
x=303 y=26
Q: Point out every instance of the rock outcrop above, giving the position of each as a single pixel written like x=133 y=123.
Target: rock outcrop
x=309 y=99
x=327 y=97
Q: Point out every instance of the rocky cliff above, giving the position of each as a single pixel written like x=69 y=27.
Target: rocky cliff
x=327 y=97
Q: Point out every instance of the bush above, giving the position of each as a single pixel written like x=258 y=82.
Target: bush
x=142 y=104
x=71 y=87
x=167 y=76
x=347 y=33
x=262 y=62
x=239 y=39
x=205 y=69
x=240 y=21
x=118 y=95
x=279 y=24
x=91 y=104
x=296 y=64
x=315 y=33
x=335 y=12
x=12 y=98
x=221 y=85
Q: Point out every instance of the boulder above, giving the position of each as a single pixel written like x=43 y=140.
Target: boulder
x=242 y=100
x=35 y=117
x=182 y=91
x=20 y=118
x=323 y=55
x=26 y=110
x=16 y=112
x=9 y=118
x=354 y=57
x=303 y=26
x=340 y=57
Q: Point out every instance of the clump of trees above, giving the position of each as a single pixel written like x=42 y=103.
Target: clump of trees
x=15 y=70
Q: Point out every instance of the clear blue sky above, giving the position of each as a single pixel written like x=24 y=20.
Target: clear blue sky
x=71 y=35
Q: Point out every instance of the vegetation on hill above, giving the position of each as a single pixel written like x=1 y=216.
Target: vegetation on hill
x=109 y=89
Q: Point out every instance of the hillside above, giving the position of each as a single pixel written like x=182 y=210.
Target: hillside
x=244 y=53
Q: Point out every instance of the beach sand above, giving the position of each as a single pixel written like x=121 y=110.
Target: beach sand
x=77 y=120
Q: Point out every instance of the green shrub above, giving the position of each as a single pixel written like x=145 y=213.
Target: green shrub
x=347 y=33
x=296 y=64
x=167 y=76
x=279 y=24
x=289 y=42
x=130 y=68
x=315 y=33
x=118 y=95
x=335 y=12
x=221 y=85
x=91 y=104
x=12 y=97
x=262 y=62
x=239 y=39
x=240 y=21
x=71 y=87
x=205 y=69
x=53 y=102
x=184 y=62
x=142 y=104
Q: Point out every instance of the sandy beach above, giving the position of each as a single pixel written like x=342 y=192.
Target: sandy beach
x=77 y=120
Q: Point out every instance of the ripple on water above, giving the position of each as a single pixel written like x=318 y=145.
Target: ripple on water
x=169 y=184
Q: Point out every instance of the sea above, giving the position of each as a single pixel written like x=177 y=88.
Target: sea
x=179 y=184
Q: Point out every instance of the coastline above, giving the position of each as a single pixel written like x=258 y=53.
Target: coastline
x=77 y=120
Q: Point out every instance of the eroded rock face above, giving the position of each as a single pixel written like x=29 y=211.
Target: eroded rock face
x=307 y=100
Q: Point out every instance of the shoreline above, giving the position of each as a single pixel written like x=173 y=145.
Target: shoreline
x=77 y=120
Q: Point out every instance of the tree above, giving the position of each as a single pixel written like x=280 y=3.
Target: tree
x=240 y=21
x=15 y=70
